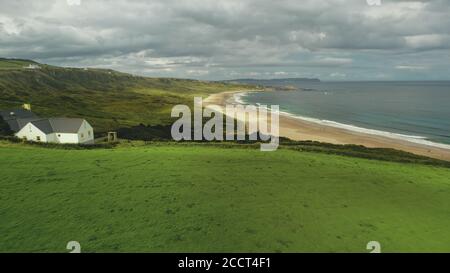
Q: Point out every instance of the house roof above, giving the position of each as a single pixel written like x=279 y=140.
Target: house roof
x=18 y=118
x=58 y=125
x=17 y=114
x=17 y=124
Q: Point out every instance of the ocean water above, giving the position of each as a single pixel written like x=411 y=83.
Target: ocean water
x=414 y=111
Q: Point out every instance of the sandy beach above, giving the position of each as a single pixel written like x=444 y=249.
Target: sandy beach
x=297 y=129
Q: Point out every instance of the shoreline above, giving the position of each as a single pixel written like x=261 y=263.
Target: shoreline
x=301 y=129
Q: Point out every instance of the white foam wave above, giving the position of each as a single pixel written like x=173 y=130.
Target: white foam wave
x=238 y=98
x=410 y=138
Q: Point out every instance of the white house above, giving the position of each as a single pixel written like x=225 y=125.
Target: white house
x=58 y=130
x=32 y=66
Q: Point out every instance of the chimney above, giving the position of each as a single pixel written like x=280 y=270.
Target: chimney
x=26 y=106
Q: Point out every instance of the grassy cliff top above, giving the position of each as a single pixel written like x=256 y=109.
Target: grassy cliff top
x=15 y=64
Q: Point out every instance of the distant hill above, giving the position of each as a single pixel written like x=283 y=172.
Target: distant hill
x=273 y=82
x=106 y=98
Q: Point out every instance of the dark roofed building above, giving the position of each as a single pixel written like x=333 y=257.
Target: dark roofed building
x=17 y=118
x=17 y=124
x=17 y=114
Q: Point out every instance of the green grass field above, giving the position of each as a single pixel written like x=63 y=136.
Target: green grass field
x=179 y=198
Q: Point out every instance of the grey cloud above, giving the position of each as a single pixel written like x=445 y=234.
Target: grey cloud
x=223 y=39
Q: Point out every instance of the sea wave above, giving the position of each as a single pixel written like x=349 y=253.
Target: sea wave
x=239 y=98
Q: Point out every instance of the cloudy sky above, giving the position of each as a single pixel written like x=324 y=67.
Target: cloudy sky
x=225 y=39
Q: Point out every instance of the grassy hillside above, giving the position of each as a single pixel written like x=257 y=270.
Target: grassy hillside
x=107 y=98
x=209 y=199
x=15 y=64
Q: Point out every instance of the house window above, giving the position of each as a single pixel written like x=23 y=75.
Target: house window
x=38 y=138
x=82 y=135
x=89 y=133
